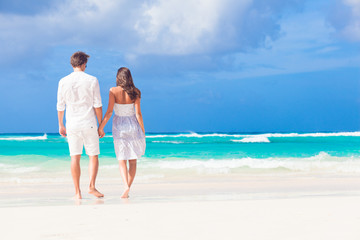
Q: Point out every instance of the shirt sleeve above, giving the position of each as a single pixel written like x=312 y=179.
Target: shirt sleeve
x=97 y=97
x=60 y=106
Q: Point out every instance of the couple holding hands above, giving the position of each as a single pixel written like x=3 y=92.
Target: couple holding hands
x=79 y=93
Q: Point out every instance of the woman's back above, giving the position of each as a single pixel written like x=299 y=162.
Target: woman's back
x=121 y=97
x=128 y=127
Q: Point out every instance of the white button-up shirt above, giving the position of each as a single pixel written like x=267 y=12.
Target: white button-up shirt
x=80 y=93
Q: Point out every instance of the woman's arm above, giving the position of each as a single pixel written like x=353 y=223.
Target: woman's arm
x=138 y=114
x=108 y=114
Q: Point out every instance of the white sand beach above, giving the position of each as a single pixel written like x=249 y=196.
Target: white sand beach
x=237 y=207
x=299 y=218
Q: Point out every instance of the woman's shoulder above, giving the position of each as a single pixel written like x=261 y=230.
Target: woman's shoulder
x=116 y=89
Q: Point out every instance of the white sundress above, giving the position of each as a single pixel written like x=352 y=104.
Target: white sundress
x=129 y=139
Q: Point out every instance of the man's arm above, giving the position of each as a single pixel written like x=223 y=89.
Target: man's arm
x=97 y=102
x=62 y=129
x=61 y=109
x=98 y=113
x=107 y=115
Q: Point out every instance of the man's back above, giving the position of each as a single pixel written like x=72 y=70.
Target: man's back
x=80 y=93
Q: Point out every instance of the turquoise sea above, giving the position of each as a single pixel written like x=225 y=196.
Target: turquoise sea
x=44 y=157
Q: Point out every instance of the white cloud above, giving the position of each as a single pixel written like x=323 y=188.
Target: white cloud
x=352 y=30
x=345 y=17
x=160 y=27
x=182 y=27
x=305 y=46
x=74 y=22
x=327 y=49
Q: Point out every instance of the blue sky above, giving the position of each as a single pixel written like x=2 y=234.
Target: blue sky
x=206 y=65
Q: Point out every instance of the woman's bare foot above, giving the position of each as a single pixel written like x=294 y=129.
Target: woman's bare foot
x=125 y=193
x=78 y=196
x=95 y=192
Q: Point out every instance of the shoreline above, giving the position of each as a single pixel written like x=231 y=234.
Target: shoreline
x=184 y=189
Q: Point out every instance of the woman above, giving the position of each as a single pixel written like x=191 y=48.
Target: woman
x=128 y=126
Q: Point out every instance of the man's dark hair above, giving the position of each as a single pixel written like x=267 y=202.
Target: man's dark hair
x=78 y=59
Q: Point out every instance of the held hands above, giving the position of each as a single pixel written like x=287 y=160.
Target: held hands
x=101 y=132
x=62 y=130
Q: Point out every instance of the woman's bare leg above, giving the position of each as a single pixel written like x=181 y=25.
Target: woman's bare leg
x=124 y=175
x=132 y=171
x=76 y=172
x=93 y=170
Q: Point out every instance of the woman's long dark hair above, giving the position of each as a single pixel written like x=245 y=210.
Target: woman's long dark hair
x=124 y=80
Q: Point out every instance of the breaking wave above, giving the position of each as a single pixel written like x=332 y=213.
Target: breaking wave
x=44 y=137
x=257 y=139
x=175 y=142
x=265 y=135
x=321 y=162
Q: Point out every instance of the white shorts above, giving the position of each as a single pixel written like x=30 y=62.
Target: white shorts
x=79 y=138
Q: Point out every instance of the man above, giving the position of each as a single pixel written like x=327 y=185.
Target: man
x=80 y=93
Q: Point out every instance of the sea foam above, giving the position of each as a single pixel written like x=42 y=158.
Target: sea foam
x=321 y=162
x=256 y=139
x=174 y=142
x=265 y=135
x=44 y=137
x=17 y=168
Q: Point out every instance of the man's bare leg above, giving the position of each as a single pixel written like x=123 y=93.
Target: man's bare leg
x=75 y=172
x=132 y=171
x=124 y=174
x=93 y=170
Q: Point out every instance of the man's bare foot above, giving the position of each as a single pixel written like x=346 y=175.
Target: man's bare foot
x=95 y=192
x=125 y=193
